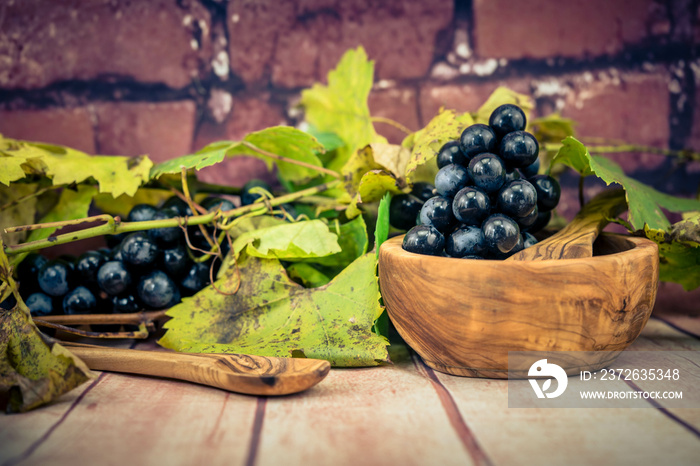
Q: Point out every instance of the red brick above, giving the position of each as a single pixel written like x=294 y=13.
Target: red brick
x=70 y=127
x=462 y=97
x=148 y=40
x=398 y=104
x=298 y=42
x=161 y=130
x=543 y=28
x=694 y=141
x=631 y=108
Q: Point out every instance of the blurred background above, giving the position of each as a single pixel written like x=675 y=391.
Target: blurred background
x=166 y=77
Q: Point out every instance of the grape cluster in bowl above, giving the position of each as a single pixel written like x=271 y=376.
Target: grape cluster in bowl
x=150 y=269
x=488 y=198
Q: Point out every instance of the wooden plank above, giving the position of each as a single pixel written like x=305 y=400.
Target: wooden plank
x=573 y=436
x=383 y=415
x=690 y=325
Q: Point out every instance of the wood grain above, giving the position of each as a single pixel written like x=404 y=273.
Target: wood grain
x=576 y=239
x=464 y=316
x=241 y=373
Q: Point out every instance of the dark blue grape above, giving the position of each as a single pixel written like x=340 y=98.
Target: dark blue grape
x=69 y=259
x=423 y=190
x=450 y=153
x=175 y=261
x=542 y=221
x=213 y=203
x=548 y=192
x=141 y=213
x=501 y=233
x=39 y=304
x=157 y=291
x=450 y=179
x=139 y=251
x=465 y=241
x=477 y=139
x=247 y=197
x=526 y=222
x=197 y=278
x=116 y=254
x=87 y=266
x=113 y=278
x=513 y=175
x=165 y=237
x=178 y=205
x=28 y=271
x=471 y=206
x=519 y=149
x=424 y=239
x=506 y=119
x=487 y=172
x=403 y=210
x=517 y=198
x=106 y=253
x=125 y=303
x=532 y=169
x=437 y=212
x=114 y=240
x=79 y=301
x=528 y=240
x=55 y=277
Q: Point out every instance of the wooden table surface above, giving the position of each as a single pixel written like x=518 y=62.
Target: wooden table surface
x=403 y=414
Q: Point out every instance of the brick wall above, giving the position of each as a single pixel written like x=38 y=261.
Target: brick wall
x=166 y=77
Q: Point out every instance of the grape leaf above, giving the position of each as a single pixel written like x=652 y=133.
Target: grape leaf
x=15 y=214
x=32 y=372
x=11 y=169
x=307 y=274
x=289 y=241
x=71 y=205
x=272 y=316
x=381 y=230
x=353 y=241
x=680 y=263
x=502 y=96
x=114 y=174
x=644 y=202
x=206 y=157
x=341 y=106
x=425 y=143
x=687 y=230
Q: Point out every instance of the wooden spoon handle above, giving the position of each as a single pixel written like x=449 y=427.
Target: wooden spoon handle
x=575 y=240
x=253 y=375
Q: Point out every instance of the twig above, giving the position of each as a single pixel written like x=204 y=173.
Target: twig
x=40 y=226
x=292 y=161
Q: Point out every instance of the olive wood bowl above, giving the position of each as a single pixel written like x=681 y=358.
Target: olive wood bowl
x=463 y=316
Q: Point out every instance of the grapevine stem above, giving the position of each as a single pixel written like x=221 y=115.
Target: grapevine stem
x=40 y=226
x=391 y=122
x=292 y=161
x=113 y=227
x=682 y=154
x=193 y=206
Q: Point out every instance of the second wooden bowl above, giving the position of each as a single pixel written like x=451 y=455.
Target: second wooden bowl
x=464 y=316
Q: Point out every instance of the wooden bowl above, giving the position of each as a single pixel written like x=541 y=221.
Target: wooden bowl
x=463 y=316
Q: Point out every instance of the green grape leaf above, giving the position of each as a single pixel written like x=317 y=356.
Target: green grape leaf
x=71 y=205
x=341 y=106
x=645 y=203
x=360 y=163
x=680 y=263
x=114 y=174
x=502 y=96
x=270 y=315
x=32 y=371
x=16 y=213
x=11 y=168
x=687 y=230
x=289 y=241
x=307 y=275
x=425 y=143
x=353 y=242
x=381 y=230
x=287 y=142
x=552 y=127
x=206 y=157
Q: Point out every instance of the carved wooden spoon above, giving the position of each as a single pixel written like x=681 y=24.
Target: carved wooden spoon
x=242 y=373
x=575 y=240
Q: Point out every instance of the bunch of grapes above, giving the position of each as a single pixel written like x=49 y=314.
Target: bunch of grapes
x=489 y=198
x=144 y=270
